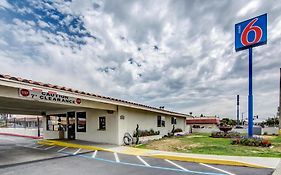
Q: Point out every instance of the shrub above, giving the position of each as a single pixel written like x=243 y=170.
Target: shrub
x=143 y=133
x=255 y=141
x=225 y=135
x=178 y=130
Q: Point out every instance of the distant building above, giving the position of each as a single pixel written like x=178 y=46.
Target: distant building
x=203 y=122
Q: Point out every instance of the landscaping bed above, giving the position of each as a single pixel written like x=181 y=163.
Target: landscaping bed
x=204 y=144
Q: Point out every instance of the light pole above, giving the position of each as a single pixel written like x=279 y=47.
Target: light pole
x=242 y=115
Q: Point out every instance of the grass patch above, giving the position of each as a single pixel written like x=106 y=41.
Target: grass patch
x=203 y=144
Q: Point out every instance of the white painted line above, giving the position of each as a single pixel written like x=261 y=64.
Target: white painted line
x=49 y=147
x=209 y=166
x=38 y=146
x=173 y=163
x=76 y=152
x=116 y=157
x=29 y=145
x=95 y=154
x=144 y=162
x=62 y=149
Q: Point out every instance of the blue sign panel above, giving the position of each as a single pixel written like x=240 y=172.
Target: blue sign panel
x=251 y=33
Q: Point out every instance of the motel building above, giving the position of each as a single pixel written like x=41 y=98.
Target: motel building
x=73 y=114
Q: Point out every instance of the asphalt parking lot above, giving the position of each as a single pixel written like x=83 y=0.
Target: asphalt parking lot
x=25 y=156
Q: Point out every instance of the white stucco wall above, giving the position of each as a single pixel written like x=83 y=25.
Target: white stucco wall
x=116 y=127
x=147 y=120
x=110 y=135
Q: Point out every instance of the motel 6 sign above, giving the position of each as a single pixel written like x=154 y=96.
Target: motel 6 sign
x=248 y=34
x=251 y=33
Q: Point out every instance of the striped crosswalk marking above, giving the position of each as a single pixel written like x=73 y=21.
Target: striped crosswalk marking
x=144 y=162
x=173 y=163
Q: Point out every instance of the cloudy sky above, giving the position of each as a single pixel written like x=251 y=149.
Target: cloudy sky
x=178 y=54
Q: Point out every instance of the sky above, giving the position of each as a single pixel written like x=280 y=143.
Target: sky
x=178 y=54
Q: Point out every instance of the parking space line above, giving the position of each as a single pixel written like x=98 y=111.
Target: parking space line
x=38 y=146
x=49 y=147
x=209 y=166
x=154 y=167
x=62 y=149
x=116 y=157
x=29 y=145
x=95 y=154
x=173 y=163
x=76 y=152
x=144 y=162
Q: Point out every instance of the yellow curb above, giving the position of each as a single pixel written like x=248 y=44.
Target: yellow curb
x=207 y=161
x=71 y=145
x=144 y=152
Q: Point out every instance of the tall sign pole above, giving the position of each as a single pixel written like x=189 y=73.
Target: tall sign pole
x=250 y=96
x=279 y=108
x=237 y=110
x=249 y=34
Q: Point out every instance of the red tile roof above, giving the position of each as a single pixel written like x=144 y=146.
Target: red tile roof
x=202 y=121
x=19 y=79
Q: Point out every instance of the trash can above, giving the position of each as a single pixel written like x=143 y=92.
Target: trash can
x=61 y=134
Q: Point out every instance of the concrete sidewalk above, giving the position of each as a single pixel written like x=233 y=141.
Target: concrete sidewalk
x=255 y=162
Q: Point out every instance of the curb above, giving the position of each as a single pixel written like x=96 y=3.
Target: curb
x=159 y=156
x=20 y=135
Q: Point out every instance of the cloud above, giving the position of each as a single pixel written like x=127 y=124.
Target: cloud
x=250 y=7
x=5 y=4
x=177 y=54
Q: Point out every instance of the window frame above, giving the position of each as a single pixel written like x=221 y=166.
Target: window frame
x=53 y=125
x=173 y=120
x=77 y=121
x=161 y=121
x=101 y=127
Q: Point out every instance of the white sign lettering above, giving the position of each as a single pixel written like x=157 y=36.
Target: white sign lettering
x=38 y=94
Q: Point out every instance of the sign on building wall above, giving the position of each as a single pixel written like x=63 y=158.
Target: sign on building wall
x=40 y=95
x=251 y=33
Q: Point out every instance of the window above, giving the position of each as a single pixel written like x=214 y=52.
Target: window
x=102 y=123
x=163 y=121
x=160 y=121
x=56 y=122
x=173 y=120
x=81 y=121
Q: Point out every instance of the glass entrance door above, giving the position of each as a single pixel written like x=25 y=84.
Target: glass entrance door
x=71 y=125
